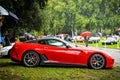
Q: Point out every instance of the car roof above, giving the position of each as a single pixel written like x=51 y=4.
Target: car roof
x=44 y=38
x=49 y=38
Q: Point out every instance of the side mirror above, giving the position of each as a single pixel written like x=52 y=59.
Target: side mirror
x=67 y=46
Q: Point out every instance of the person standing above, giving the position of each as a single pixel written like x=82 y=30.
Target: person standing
x=1 y=20
x=86 y=40
x=67 y=38
x=3 y=13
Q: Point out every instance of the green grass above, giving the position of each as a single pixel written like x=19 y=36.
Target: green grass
x=14 y=71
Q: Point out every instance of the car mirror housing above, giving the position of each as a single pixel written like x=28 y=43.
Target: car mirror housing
x=67 y=46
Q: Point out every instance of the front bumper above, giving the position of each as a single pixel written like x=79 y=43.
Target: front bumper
x=110 y=63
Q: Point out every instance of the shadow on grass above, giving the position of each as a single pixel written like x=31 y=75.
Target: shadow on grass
x=71 y=66
x=55 y=65
x=6 y=64
x=5 y=61
x=14 y=64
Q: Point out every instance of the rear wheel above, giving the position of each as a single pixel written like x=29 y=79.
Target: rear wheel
x=31 y=59
x=97 y=61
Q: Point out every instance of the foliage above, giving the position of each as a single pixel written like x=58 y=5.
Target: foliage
x=28 y=11
x=66 y=16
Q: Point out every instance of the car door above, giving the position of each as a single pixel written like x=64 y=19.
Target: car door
x=57 y=51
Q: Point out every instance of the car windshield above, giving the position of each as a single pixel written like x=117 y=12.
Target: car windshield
x=68 y=43
x=71 y=45
x=56 y=42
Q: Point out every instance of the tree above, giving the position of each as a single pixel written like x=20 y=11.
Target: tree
x=66 y=16
x=28 y=11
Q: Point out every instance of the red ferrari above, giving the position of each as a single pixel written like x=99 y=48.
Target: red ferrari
x=54 y=50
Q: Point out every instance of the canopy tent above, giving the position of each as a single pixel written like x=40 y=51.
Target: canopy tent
x=13 y=16
x=8 y=14
x=3 y=11
x=10 y=20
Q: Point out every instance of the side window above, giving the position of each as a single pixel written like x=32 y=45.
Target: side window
x=56 y=43
x=41 y=42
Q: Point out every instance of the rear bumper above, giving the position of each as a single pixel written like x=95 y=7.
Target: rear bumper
x=14 y=56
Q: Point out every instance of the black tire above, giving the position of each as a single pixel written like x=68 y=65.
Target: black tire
x=31 y=59
x=97 y=61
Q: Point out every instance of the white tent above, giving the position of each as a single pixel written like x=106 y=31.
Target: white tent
x=3 y=11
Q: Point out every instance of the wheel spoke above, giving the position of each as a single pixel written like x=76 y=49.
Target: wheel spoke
x=31 y=59
x=97 y=61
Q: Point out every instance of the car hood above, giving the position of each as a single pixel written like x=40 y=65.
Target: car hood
x=91 y=49
x=83 y=48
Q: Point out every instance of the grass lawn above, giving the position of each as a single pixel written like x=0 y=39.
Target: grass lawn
x=14 y=71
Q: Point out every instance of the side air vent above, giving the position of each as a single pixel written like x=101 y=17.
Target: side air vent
x=44 y=58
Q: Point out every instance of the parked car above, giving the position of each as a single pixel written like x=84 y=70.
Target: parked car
x=110 y=40
x=77 y=39
x=94 y=39
x=6 y=50
x=55 y=50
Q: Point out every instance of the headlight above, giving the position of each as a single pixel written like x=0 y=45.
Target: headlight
x=109 y=54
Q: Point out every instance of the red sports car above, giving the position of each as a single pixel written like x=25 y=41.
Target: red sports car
x=55 y=50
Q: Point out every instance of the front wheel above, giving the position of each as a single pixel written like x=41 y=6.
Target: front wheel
x=31 y=59
x=97 y=61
